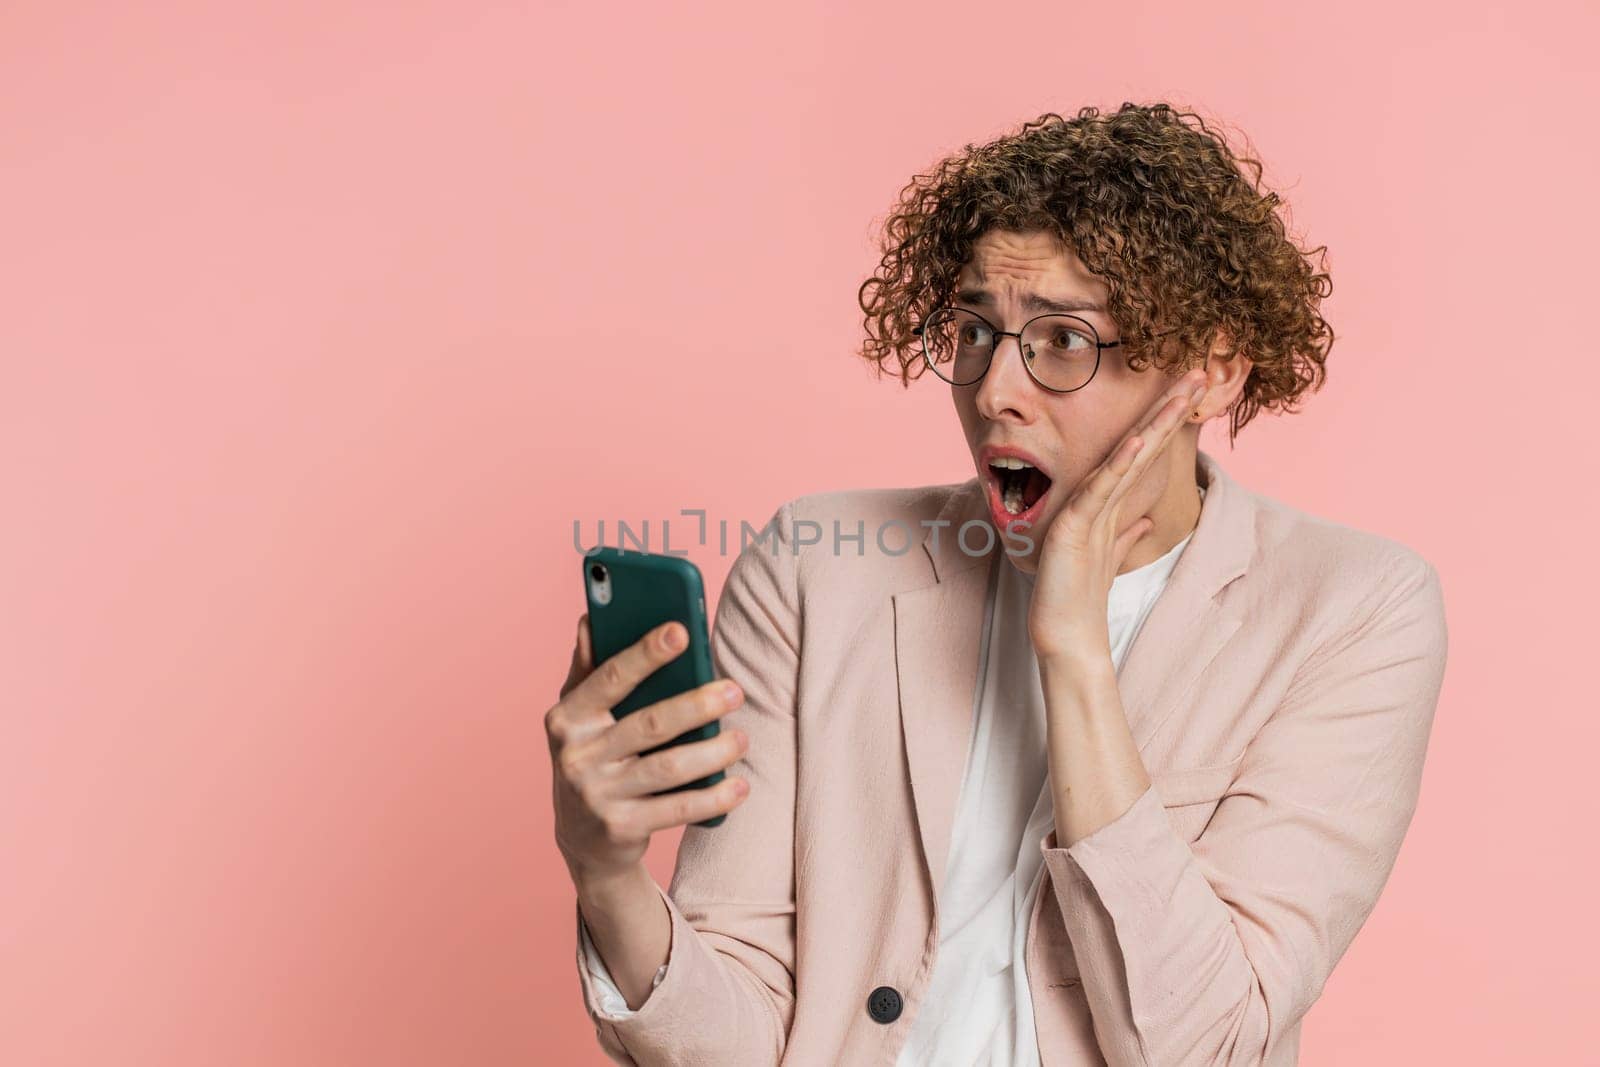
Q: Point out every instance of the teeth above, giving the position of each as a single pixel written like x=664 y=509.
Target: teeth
x=1013 y=500
x=1011 y=490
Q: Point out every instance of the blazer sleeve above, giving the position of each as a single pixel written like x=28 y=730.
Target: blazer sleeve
x=728 y=992
x=1208 y=953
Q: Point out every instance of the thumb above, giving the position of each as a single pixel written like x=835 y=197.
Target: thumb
x=1124 y=543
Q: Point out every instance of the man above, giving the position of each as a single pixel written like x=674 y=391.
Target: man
x=1117 y=783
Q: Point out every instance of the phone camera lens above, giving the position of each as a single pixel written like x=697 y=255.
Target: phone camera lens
x=597 y=572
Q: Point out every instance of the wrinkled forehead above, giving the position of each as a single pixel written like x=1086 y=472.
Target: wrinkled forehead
x=1028 y=273
x=1008 y=263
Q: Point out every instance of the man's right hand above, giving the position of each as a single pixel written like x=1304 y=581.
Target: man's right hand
x=604 y=809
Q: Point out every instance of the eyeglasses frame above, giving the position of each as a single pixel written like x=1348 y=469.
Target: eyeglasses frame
x=999 y=333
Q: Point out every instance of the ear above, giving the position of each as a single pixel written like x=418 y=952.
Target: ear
x=1226 y=373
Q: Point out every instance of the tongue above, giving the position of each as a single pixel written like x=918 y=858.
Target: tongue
x=1034 y=487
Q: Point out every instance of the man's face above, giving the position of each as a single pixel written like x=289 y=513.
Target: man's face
x=1063 y=435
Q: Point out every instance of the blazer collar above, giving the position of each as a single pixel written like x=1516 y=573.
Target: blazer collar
x=940 y=626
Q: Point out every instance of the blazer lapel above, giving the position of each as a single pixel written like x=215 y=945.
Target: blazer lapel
x=1189 y=624
x=938 y=636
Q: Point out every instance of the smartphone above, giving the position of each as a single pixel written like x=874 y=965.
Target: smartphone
x=630 y=593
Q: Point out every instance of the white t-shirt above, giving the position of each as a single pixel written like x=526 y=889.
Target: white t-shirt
x=977 y=1009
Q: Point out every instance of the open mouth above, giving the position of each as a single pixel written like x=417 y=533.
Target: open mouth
x=1020 y=483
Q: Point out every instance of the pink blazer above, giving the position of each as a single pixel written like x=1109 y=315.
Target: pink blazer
x=1281 y=692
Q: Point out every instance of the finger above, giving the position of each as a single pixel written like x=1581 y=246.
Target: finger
x=610 y=682
x=690 y=805
x=1141 y=448
x=679 y=764
x=579 y=666
x=1153 y=438
x=1181 y=398
x=1125 y=541
x=1090 y=500
x=658 y=723
x=1098 y=487
x=1175 y=397
x=1169 y=411
x=585 y=643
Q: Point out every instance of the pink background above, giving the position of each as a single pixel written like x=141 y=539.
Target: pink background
x=320 y=325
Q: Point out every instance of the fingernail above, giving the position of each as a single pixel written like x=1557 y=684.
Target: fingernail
x=730 y=693
x=673 y=638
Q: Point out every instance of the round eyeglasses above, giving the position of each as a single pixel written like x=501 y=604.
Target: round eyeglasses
x=1061 y=352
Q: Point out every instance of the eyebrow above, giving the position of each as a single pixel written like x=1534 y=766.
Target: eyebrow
x=1031 y=302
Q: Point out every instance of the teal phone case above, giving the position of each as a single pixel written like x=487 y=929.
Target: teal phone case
x=648 y=589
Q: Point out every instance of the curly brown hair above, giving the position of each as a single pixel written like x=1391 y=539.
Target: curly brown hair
x=1158 y=208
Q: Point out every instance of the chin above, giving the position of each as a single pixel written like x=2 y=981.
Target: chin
x=1025 y=557
x=1028 y=564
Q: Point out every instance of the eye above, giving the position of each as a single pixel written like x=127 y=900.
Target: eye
x=974 y=334
x=1066 y=339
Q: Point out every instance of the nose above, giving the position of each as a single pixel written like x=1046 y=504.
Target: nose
x=1006 y=389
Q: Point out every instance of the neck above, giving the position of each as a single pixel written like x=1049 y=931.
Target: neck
x=1176 y=512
